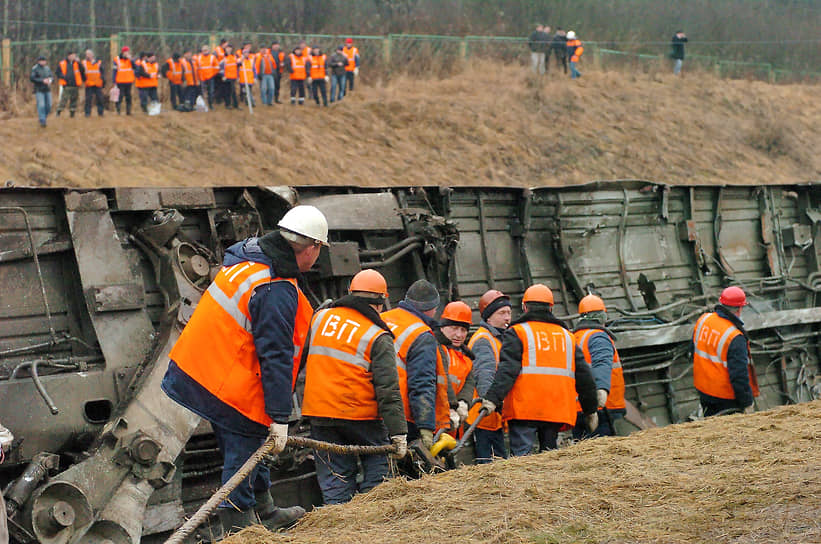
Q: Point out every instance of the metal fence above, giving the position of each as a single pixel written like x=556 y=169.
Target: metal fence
x=394 y=53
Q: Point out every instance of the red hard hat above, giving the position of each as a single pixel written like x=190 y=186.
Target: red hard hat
x=349 y=40
x=458 y=312
x=369 y=281
x=538 y=293
x=124 y=49
x=733 y=296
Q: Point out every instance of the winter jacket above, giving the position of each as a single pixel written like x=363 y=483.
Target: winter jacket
x=337 y=63
x=38 y=74
x=538 y=41
x=601 y=353
x=559 y=45
x=421 y=365
x=678 y=47
x=466 y=393
x=510 y=365
x=273 y=307
x=484 y=365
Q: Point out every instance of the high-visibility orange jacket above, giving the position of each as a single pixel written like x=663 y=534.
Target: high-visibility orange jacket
x=574 y=47
x=265 y=63
x=491 y=422
x=124 y=69
x=174 y=73
x=216 y=349
x=350 y=53
x=615 y=398
x=207 y=66
x=219 y=52
x=407 y=328
x=712 y=337
x=94 y=74
x=229 y=67
x=151 y=79
x=545 y=389
x=75 y=73
x=459 y=368
x=281 y=57
x=188 y=73
x=246 y=71
x=338 y=378
x=297 y=67
x=318 y=66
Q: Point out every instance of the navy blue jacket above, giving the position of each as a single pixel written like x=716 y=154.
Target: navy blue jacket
x=273 y=308
x=421 y=368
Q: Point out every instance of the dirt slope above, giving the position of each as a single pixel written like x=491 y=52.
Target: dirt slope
x=744 y=478
x=488 y=126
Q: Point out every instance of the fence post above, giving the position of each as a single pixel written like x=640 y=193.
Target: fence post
x=212 y=42
x=114 y=46
x=386 y=52
x=463 y=49
x=770 y=74
x=7 y=62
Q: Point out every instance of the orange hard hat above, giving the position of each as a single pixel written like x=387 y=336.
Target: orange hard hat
x=369 y=281
x=733 y=296
x=538 y=293
x=457 y=312
x=489 y=297
x=591 y=303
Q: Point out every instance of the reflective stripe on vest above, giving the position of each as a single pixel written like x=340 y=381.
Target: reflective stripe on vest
x=94 y=77
x=230 y=67
x=491 y=422
x=615 y=398
x=297 y=67
x=216 y=348
x=350 y=53
x=712 y=337
x=246 y=72
x=174 y=73
x=318 y=67
x=75 y=68
x=545 y=389
x=150 y=82
x=338 y=381
x=187 y=72
x=206 y=66
x=125 y=70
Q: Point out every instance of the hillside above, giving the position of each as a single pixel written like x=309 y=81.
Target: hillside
x=743 y=478
x=490 y=125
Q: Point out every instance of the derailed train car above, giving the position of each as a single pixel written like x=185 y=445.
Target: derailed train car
x=96 y=286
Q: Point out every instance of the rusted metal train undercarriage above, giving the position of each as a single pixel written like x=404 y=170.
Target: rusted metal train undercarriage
x=96 y=284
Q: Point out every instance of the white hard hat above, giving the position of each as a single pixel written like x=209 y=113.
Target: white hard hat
x=306 y=221
x=571 y=35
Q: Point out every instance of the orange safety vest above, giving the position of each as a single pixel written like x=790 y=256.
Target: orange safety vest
x=206 y=66
x=406 y=328
x=350 y=53
x=297 y=67
x=125 y=70
x=230 y=70
x=338 y=378
x=246 y=71
x=615 y=399
x=281 y=56
x=150 y=82
x=491 y=422
x=216 y=348
x=545 y=389
x=219 y=52
x=188 y=72
x=577 y=52
x=459 y=368
x=265 y=63
x=712 y=337
x=78 y=77
x=174 y=73
x=318 y=66
x=94 y=75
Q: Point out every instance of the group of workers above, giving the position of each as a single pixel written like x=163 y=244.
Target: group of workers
x=376 y=377
x=224 y=75
x=563 y=45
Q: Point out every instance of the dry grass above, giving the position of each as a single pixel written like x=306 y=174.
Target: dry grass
x=744 y=478
x=489 y=125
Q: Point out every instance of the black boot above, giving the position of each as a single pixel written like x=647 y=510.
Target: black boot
x=236 y=520
x=209 y=531
x=271 y=516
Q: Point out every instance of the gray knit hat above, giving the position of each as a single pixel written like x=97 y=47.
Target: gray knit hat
x=422 y=295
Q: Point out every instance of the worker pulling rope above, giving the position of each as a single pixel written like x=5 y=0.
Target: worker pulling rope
x=295 y=441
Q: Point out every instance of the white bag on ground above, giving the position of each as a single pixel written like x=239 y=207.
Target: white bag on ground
x=200 y=105
x=154 y=108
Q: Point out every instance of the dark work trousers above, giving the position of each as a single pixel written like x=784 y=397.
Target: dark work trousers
x=243 y=88
x=147 y=96
x=713 y=405
x=561 y=59
x=338 y=474
x=349 y=77
x=94 y=93
x=489 y=444
x=229 y=93
x=604 y=429
x=277 y=84
x=298 y=86
x=125 y=94
x=318 y=86
x=190 y=94
x=176 y=95
x=236 y=449
x=209 y=90
x=525 y=435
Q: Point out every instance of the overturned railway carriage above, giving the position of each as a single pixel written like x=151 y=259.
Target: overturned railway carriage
x=96 y=286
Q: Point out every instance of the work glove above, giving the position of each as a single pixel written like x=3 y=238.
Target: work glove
x=601 y=396
x=750 y=409
x=489 y=406
x=310 y=80
x=454 y=419
x=279 y=432
x=327 y=79
x=400 y=442
x=462 y=410
x=427 y=438
x=356 y=71
x=6 y=438
x=592 y=421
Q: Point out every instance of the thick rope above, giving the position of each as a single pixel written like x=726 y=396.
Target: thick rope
x=295 y=441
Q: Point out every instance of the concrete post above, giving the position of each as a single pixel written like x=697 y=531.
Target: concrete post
x=386 y=53
x=212 y=42
x=6 y=62
x=114 y=46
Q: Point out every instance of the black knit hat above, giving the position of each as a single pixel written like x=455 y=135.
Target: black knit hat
x=491 y=308
x=423 y=295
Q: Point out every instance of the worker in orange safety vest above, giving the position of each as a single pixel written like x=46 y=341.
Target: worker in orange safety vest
x=723 y=371
x=574 y=52
x=148 y=79
x=70 y=76
x=541 y=372
x=95 y=81
x=172 y=71
x=298 y=69
x=236 y=362
x=352 y=68
x=352 y=388
x=454 y=324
